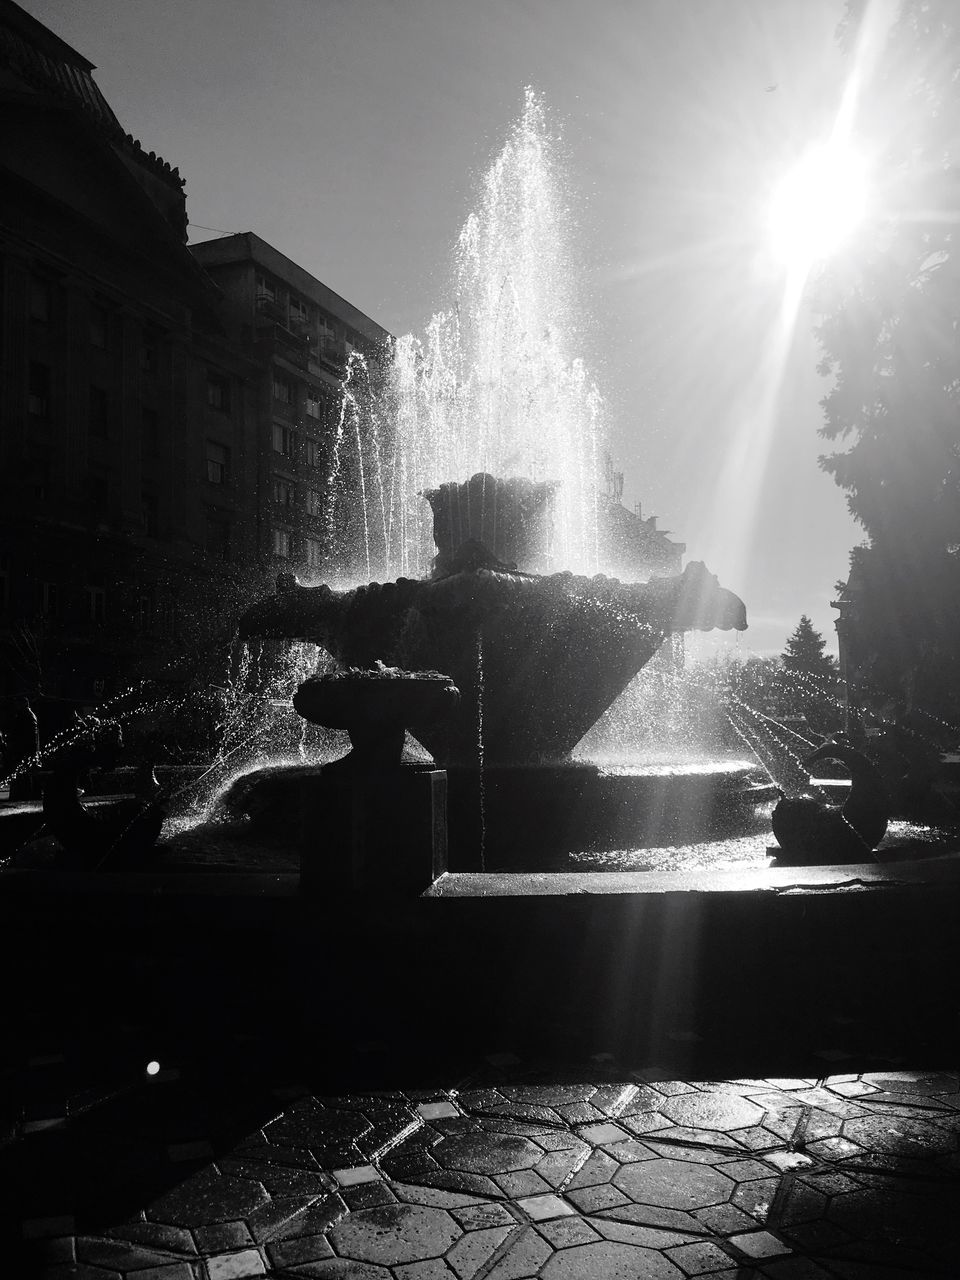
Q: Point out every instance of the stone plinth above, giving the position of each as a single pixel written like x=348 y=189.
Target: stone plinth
x=373 y=831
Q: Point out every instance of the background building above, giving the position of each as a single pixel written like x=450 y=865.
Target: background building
x=634 y=549
x=161 y=426
x=301 y=335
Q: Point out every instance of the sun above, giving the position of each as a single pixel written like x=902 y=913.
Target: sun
x=817 y=206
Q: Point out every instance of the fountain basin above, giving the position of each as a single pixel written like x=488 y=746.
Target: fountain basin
x=526 y=818
x=343 y=700
x=537 y=659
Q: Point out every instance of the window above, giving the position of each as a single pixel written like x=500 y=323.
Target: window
x=299 y=311
x=218 y=393
x=283 y=440
x=314 y=553
x=282 y=389
x=148 y=358
x=218 y=536
x=49 y=599
x=38 y=390
x=99 y=420
x=313 y=452
x=218 y=462
x=266 y=291
x=314 y=503
x=97 y=603
x=98 y=327
x=281 y=542
x=150 y=509
x=314 y=404
x=284 y=492
x=151 y=431
x=40 y=299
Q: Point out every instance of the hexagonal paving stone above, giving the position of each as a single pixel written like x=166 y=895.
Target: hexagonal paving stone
x=309 y=1124
x=557 y=1166
x=905 y=1135
x=700 y=1257
x=712 y=1111
x=674 y=1184
x=703 y=1145
x=887 y=1214
x=486 y=1153
x=207 y=1198
x=919 y=1082
x=608 y=1261
x=394 y=1233
x=553 y=1095
x=563 y=1233
x=756 y=1198
x=473 y=1250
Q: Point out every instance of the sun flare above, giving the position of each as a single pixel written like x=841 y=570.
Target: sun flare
x=817 y=206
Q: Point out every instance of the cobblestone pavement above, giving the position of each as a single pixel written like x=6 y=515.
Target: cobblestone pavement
x=514 y=1173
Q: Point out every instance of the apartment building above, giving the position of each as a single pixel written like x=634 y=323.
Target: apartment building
x=162 y=410
x=301 y=334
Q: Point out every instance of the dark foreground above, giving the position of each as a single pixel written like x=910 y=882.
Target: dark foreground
x=583 y=1082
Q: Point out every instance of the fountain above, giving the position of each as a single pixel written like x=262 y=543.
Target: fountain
x=472 y=458
x=556 y=649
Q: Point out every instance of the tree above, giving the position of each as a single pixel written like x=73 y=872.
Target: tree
x=804 y=654
x=808 y=682
x=889 y=333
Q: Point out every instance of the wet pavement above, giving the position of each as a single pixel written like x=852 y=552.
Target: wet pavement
x=511 y=1171
x=324 y=1104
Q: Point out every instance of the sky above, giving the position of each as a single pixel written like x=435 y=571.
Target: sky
x=351 y=134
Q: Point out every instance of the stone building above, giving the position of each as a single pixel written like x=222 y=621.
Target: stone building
x=159 y=422
x=301 y=335
x=633 y=548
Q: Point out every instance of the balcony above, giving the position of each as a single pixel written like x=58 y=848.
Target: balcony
x=270 y=308
x=333 y=353
x=284 y=342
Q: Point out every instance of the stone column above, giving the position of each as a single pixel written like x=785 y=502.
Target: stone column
x=373 y=832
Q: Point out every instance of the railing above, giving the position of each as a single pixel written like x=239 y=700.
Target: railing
x=268 y=306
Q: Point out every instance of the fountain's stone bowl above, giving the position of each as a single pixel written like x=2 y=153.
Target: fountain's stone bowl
x=537 y=659
x=386 y=696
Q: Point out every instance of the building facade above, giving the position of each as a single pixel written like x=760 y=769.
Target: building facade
x=301 y=335
x=161 y=424
x=633 y=548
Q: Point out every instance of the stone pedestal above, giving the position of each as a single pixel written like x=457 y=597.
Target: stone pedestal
x=373 y=831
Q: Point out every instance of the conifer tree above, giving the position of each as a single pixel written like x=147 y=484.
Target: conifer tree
x=804 y=654
x=808 y=683
x=890 y=310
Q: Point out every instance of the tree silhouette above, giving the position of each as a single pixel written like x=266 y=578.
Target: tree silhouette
x=889 y=333
x=804 y=654
x=808 y=679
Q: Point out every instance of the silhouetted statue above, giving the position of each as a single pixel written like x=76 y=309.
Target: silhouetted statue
x=811 y=832
x=125 y=833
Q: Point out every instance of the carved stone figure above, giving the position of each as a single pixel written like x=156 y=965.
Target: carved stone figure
x=811 y=832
